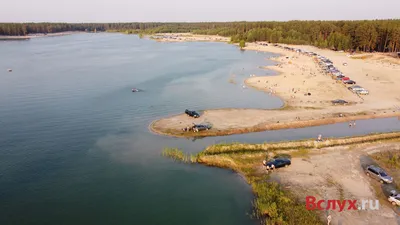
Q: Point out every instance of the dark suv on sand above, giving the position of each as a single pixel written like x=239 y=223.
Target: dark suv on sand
x=277 y=163
x=193 y=114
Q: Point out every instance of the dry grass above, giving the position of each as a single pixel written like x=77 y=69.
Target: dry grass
x=304 y=144
x=364 y=56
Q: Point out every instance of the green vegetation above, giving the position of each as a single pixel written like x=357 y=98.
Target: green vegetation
x=389 y=159
x=277 y=206
x=373 y=35
x=242 y=44
x=273 y=204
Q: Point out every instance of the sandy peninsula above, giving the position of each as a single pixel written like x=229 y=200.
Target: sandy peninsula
x=307 y=92
x=27 y=37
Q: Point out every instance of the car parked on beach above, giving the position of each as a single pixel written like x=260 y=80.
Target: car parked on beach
x=356 y=88
x=339 y=77
x=339 y=102
x=394 y=198
x=345 y=78
x=201 y=127
x=378 y=174
x=277 y=163
x=349 y=82
x=193 y=114
x=362 y=92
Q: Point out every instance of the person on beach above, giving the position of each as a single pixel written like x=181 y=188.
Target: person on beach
x=329 y=218
x=319 y=138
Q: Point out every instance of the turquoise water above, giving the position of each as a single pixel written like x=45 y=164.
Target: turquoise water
x=74 y=143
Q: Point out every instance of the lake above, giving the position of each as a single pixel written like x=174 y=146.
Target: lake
x=74 y=141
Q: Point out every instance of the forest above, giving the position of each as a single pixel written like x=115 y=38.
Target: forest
x=366 y=35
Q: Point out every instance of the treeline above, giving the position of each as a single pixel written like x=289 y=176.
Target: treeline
x=376 y=35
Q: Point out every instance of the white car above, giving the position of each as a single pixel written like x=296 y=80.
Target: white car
x=356 y=88
x=363 y=92
x=394 y=198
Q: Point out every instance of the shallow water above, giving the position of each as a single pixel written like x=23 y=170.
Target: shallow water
x=74 y=143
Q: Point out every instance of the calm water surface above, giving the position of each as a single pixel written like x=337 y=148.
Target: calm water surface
x=74 y=143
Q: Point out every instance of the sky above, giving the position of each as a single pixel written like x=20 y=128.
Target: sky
x=194 y=10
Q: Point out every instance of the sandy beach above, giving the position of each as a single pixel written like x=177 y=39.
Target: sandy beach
x=186 y=37
x=298 y=75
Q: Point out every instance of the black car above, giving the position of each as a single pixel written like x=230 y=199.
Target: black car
x=339 y=102
x=193 y=114
x=200 y=127
x=277 y=163
x=349 y=82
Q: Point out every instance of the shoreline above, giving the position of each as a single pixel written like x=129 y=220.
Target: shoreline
x=300 y=179
x=291 y=71
x=38 y=35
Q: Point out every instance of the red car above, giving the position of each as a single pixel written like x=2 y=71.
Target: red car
x=345 y=78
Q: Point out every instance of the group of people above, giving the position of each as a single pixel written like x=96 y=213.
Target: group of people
x=269 y=168
x=352 y=123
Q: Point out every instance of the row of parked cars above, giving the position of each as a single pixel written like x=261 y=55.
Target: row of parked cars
x=379 y=174
x=371 y=171
x=327 y=66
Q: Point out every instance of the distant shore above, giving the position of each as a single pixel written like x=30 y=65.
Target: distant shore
x=30 y=36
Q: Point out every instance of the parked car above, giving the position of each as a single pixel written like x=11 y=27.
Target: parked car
x=356 y=88
x=200 y=127
x=339 y=77
x=394 y=198
x=378 y=174
x=339 y=102
x=362 y=92
x=349 y=82
x=277 y=163
x=193 y=114
x=345 y=78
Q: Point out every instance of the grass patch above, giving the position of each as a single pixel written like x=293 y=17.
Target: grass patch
x=301 y=153
x=389 y=159
x=274 y=205
x=223 y=148
x=178 y=155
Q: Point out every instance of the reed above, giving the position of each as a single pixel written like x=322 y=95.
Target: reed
x=178 y=155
